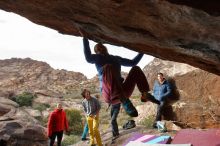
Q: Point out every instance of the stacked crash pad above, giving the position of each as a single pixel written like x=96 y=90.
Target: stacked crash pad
x=132 y=143
x=210 y=137
x=185 y=137
x=147 y=139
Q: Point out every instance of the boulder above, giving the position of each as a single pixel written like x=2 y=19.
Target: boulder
x=18 y=133
x=18 y=127
x=32 y=112
x=196 y=104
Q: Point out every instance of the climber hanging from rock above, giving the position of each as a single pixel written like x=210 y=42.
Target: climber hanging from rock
x=114 y=89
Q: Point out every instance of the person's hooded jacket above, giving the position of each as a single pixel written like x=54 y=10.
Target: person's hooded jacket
x=57 y=122
x=162 y=91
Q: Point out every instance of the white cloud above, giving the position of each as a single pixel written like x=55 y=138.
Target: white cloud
x=21 y=38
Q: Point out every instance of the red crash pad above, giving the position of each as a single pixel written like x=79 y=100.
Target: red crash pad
x=195 y=137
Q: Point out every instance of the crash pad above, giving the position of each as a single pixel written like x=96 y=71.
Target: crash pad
x=210 y=137
x=134 y=143
x=148 y=139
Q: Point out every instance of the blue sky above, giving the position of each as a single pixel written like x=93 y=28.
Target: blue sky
x=21 y=38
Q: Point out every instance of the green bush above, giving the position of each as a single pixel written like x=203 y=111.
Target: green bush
x=148 y=121
x=70 y=140
x=75 y=121
x=25 y=99
x=41 y=106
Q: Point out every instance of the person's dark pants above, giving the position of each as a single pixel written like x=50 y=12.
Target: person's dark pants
x=114 y=114
x=113 y=88
x=160 y=107
x=59 y=136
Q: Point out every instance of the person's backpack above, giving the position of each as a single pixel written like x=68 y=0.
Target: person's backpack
x=130 y=124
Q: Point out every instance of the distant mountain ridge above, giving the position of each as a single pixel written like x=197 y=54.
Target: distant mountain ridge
x=18 y=75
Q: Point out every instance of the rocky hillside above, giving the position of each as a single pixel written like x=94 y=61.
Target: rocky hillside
x=197 y=90
x=198 y=104
x=18 y=127
x=19 y=75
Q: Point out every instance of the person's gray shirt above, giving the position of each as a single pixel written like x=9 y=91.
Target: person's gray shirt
x=91 y=106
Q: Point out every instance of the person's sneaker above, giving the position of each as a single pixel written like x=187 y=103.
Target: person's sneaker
x=84 y=139
x=161 y=126
x=129 y=108
x=154 y=125
x=145 y=96
x=130 y=124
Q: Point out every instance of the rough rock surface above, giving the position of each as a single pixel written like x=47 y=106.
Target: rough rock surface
x=178 y=30
x=18 y=128
x=32 y=112
x=19 y=75
x=197 y=104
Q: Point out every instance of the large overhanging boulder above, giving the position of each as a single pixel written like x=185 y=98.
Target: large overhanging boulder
x=195 y=102
x=178 y=30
